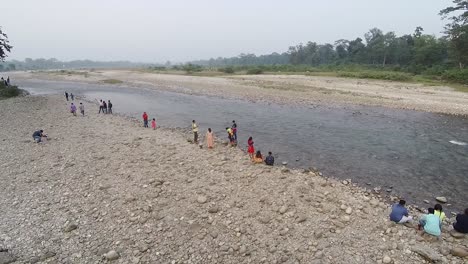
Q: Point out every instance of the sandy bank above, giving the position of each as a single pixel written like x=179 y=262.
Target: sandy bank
x=286 y=89
x=104 y=183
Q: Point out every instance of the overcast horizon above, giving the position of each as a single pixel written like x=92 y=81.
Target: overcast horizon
x=178 y=31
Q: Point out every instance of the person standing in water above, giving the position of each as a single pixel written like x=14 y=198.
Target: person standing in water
x=250 y=148
x=72 y=97
x=145 y=119
x=66 y=95
x=153 y=123
x=195 y=131
x=209 y=139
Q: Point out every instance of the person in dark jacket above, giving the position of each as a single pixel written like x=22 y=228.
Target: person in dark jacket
x=38 y=135
x=270 y=160
x=462 y=223
x=109 y=107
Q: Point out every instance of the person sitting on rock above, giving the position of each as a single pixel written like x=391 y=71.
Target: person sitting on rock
x=399 y=213
x=270 y=160
x=461 y=225
x=438 y=212
x=38 y=135
x=258 y=157
x=430 y=223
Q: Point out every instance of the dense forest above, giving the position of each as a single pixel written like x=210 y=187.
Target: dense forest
x=412 y=52
x=415 y=53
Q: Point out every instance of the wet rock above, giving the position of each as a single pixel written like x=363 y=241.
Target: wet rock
x=441 y=199
x=6 y=258
x=284 y=163
x=112 y=255
x=345 y=182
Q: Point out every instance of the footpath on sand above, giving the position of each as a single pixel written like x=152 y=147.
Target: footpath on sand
x=103 y=189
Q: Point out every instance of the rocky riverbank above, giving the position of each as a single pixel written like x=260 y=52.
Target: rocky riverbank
x=105 y=189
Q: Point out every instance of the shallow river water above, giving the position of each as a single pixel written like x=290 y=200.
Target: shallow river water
x=407 y=152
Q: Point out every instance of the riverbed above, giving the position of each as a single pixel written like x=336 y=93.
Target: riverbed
x=407 y=153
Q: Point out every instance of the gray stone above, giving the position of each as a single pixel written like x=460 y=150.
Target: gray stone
x=6 y=258
x=47 y=255
x=459 y=252
x=70 y=227
x=427 y=253
x=441 y=199
x=202 y=199
x=456 y=234
x=283 y=209
x=387 y=259
x=213 y=210
x=112 y=255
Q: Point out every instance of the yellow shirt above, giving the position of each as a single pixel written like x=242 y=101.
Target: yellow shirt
x=194 y=127
x=440 y=214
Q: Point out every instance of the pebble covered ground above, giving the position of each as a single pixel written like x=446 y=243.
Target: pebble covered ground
x=105 y=189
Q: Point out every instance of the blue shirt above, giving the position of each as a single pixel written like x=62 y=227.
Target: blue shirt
x=432 y=224
x=398 y=211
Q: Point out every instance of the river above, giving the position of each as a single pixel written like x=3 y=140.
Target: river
x=407 y=153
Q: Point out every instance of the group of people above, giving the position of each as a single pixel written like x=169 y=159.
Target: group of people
x=430 y=223
x=72 y=97
x=105 y=108
x=5 y=81
x=73 y=109
x=145 y=121
x=256 y=157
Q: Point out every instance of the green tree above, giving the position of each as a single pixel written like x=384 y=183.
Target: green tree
x=457 y=30
x=4 y=45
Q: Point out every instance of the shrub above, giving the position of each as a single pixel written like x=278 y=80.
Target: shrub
x=459 y=76
x=254 y=71
x=9 y=91
x=379 y=75
x=229 y=70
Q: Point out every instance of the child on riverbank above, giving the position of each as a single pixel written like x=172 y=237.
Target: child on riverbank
x=438 y=212
x=82 y=109
x=209 y=139
x=250 y=148
x=145 y=119
x=258 y=158
x=153 y=124
x=73 y=109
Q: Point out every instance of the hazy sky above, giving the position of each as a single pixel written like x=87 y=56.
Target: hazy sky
x=180 y=30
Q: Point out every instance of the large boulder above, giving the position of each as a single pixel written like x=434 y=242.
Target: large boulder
x=427 y=253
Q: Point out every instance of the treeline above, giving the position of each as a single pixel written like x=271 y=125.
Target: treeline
x=413 y=53
x=45 y=64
